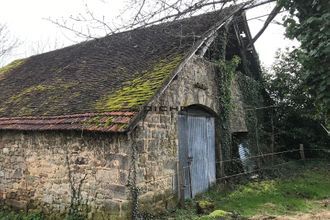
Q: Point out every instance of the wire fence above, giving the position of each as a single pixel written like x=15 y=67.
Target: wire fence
x=277 y=159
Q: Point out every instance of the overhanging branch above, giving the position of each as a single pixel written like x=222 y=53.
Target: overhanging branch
x=269 y=19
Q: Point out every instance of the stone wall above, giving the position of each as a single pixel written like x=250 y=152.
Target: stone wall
x=237 y=114
x=41 y=171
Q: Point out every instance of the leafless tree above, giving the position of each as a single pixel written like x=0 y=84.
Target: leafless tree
x=38 y=47
x=7 y=42
x=142 y=13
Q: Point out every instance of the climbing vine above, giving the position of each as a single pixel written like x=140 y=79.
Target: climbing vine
x=225 y=75
x=252 y=95
x=77 y=210
x=252 y=98
x=227 y=71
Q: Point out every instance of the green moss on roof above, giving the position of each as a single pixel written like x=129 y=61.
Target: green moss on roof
x=49 y=91
x=39 y=89
x=118 y=72
x=11 y=66
x=100 y=121
x=138 y=91
x=26 y=92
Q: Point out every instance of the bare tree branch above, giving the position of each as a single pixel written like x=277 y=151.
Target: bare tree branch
x=7 y=42
x=142 y=13
x=269 y=19
x=325 y=129
x=139 y=12
x=258 y=3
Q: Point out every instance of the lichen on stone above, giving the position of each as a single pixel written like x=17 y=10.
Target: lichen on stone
x=138 y=91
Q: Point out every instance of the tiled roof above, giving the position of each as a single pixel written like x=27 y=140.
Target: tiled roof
x=117 y=73
x=105 y=122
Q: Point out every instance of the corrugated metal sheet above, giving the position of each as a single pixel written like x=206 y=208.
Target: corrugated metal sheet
x=197 y=153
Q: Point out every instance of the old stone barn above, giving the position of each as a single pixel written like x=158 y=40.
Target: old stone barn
x=132 y=121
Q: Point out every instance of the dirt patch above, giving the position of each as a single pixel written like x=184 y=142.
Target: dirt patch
x=323 y=215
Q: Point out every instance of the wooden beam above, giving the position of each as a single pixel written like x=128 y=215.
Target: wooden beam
x=269 y=19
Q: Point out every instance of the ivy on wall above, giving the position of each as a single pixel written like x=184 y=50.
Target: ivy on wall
x=225 y=75
x=255 y=117
x=253 y=95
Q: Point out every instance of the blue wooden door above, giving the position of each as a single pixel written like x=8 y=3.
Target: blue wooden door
x=196 y=152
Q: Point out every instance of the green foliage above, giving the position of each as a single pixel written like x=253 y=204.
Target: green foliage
x=296 y=117
x=285 y=82
x=75 y=216
x=309 y=23
x=253 y=95
x=225 y=76
x=227 y=71
x=279 y=196
x=299 y=189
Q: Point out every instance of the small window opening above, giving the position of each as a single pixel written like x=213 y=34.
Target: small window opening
x=241 y=150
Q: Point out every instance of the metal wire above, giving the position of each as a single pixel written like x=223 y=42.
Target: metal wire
x=264 y=168
x=182 y=170
x=257 y=156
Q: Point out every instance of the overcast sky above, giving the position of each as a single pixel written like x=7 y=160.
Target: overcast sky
x=26 y=20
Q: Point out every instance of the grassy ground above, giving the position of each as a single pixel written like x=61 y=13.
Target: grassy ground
x=298 y=188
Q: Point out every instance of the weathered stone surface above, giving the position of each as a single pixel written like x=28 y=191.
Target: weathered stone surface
x=45 y=167
x=237 y=113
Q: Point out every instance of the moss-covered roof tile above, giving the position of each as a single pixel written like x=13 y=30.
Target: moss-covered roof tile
x=120 y=72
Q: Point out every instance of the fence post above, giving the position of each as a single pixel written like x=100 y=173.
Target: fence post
x=302 y=153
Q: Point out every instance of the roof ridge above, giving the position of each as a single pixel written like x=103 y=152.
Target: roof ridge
x=168 y=23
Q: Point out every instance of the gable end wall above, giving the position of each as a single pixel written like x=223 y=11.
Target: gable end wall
x=157 y=141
